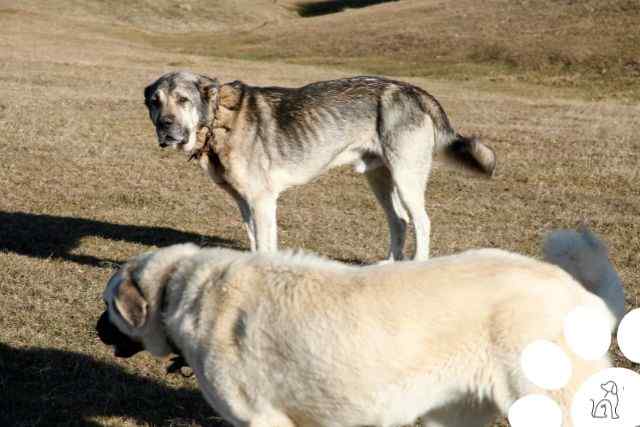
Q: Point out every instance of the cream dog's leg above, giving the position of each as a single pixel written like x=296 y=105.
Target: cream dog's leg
x=271 y=419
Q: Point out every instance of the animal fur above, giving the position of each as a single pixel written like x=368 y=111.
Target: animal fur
x=268 y=139
x=292 y=339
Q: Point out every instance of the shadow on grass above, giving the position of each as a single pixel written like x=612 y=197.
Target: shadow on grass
x=357 y=262
x=47 y=236
x=43 y=387
x=325 y=7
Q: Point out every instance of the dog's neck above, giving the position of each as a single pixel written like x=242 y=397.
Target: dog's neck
x=208 y=158
x=215 y=134
x=206 y=149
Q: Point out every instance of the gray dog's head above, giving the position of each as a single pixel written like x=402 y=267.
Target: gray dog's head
x=180 y=104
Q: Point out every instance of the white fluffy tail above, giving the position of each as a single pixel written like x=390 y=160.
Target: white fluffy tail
x=583 y=255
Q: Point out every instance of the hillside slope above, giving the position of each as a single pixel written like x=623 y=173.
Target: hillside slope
x=166 y=16
x=590 y=45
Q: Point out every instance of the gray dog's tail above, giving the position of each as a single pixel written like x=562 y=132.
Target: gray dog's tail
x=583 y=255
x=455 y=148
x=469 y=153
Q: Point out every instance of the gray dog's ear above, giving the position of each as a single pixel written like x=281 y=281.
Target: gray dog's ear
x=131 y=304
x=148 y=92
x=208 y=87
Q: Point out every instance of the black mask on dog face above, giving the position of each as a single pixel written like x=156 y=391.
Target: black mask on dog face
x=110 y=335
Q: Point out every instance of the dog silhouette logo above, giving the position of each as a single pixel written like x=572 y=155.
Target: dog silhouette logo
x=607 y=407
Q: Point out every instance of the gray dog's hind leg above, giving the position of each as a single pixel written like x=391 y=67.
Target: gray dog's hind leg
x=411 y=192
x=397 y=217
x=408 y=153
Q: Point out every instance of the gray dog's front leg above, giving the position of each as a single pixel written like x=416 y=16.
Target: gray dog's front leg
x=249 y=224
x=245 y=211
x=263 y=210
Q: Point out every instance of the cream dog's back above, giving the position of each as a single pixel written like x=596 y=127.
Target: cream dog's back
x=276 y=339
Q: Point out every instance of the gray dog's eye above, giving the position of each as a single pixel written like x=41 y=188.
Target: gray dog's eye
x=183 y=100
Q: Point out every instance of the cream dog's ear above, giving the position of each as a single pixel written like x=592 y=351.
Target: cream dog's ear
x=131 y=304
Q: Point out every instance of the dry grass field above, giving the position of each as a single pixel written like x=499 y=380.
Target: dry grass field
x=84 y=185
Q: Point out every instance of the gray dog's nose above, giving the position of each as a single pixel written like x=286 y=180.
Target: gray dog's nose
x=166 y=121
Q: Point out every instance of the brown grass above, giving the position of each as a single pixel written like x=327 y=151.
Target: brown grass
x=85 y=187
x=588 y=47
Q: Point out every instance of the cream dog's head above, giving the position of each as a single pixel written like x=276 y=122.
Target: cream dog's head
x=180 y=104
x=132 y=321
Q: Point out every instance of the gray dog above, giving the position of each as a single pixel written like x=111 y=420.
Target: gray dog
x=260 y=141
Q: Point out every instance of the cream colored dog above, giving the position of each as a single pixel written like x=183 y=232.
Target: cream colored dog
x=288 y=339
